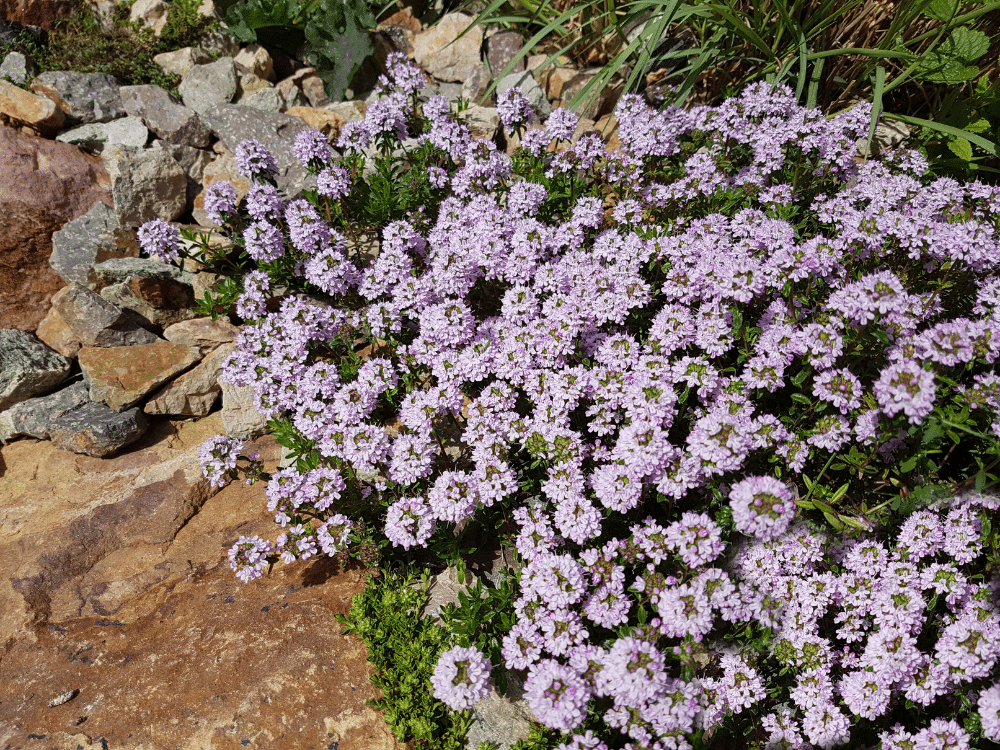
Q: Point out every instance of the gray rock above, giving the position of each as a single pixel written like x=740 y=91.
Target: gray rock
x=84 y=97
x=94 y=136
x=92 y=238
x=255 y=59
x=475 y=88
x=27 y=367
x=205 y=86
x=483 y=122
x=291 y=92
x=501 y=49
x=161 y=301
x=219 y=43
x=170 y=120
x=97 y=430
x=234 y=124
x=501 y=720
x=531 y=90
x=145 y=184
x=18 y=68
x=267 y=99
x=151 y=13
x=95 y=321
x=117 y=270
x=193 y=161
x=240 y=417
x=439 y=50
x=34 y=417
x=203 y=333
x=350 y=111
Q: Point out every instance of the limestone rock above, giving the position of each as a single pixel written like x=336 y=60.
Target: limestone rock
x=23 y=107
x=19 y=68
x=554 y=79
x=151 y=13
x=193 y=161
x=350 y=111
x=599 y=106
x=27 y=367
x=205 y=86
x=34 y=417
x=94 y=136
x=240 y=417
x=83 y=97
x=233 y=124
x=117 y=270
x=171 y=121
x=531 y=90
x=146 y=184
x=219 y=43
x=180 y=61
x=194 y=392
x=325 y=121
x=499 y=720
x=162 y=301
x=266 y=99
x=438 y=52
x=203 y=333
x=291 y=93
x=251 y=83
x=95 y=322
x=483 y=122
x=312 y=87
x=92 y=238
x=475 y=88
x=255 y=59
x=96 y=430
x=122 y=376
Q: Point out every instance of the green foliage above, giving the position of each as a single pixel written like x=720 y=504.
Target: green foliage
x=125 y=50
x=404 y=648
x=334 y=32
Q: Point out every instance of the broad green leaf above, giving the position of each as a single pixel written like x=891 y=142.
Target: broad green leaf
x=967 y=44
x=937 y=68
x=941 y=10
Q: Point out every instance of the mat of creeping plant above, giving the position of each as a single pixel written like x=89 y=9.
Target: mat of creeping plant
x=651 y=361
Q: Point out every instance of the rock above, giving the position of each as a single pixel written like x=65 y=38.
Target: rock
x=531 y=90
x=312 y=87
x=193 y=161
x=116 y=584
x=32 y=14
x=95 y=322
x=96 y=430
x=24 y=108
x=442 y=54
x=19 y=68
x=404 y=18
x=600 y=105
x=180 y=61
x=204 y=334
x=45 y=185
x=256 y=60
x=151 y=13
x=350 y=111
x=234 y=124
x=240 y=417
x=325 y=121
x=93 y=238
x=94 y=136
x=27 y=367
x=393 y=38
x=250 y=83
x=223 y=168
x=205 y=86
x=219 y=43
x=476 y=88
x=194 y=392
x=121 y=376
x=34 y=417
x=171 y=121
x=499 y=720
x=146 y=184
x=553 y=80
x=267 y=99
x=56 y=333
x=161 y=301
x=63 y=698
x=291 y=92
x=483 y=122
x=117 y=270
x=501 y=48
x=83 y=97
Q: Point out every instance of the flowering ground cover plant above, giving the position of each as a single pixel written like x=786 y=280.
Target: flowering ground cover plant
x=727 y=394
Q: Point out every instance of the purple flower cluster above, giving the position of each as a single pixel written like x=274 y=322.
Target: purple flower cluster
x=160 y=240
x=218 y=456
x=638 y=354
x=461 y=678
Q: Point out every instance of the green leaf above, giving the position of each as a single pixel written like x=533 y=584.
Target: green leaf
x=968 y=44
x=908 y=465
x=338 y=43
x=941 y=10
x=801 y=398
x=961 y=148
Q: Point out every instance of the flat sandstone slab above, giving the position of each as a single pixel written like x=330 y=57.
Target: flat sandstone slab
x=121 y=376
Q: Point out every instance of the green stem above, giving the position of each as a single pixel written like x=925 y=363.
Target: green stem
x=819 y=477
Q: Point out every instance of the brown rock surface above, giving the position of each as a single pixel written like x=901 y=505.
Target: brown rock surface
x=195 y=392
x=25 y=108
x=117 y=586
x=36 y=12
x=327 y=122
x=204 y=333
x=45 y=185
x=121 y=376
